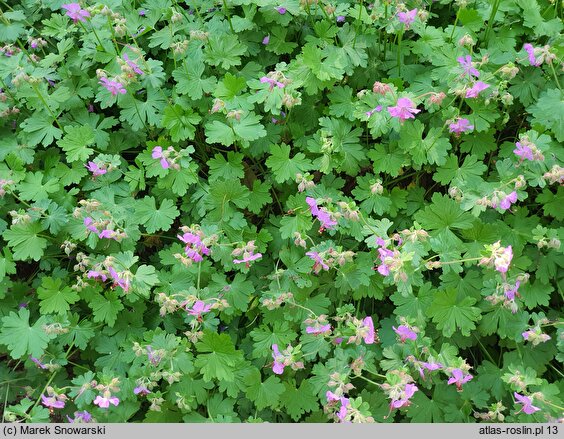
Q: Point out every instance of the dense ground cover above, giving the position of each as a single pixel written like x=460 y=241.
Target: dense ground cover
x=294 y=210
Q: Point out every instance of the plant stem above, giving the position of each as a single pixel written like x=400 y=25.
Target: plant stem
x=46 y=105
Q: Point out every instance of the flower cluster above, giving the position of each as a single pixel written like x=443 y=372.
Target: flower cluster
x=196 y=247
x=322 y=214
x=286 y=358
x=247 y=250
x=499 y=257
x=324 y=260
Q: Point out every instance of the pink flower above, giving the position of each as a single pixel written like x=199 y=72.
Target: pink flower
x=92 y=274
x=114 y=87
x=404 y=401
x=321 y=214
x=527 y=334
x=459 y=378
x=502 y=261
x=370 y=335
x=430 y=367
x=141 y=390
x=407 y=17
x=278 y=366
x=108 y=234
x=331 y=397
x=506 y=202
x=384 y=255
x=80 y=417
x=157 y=153
x=404 y=109
x=52 y=401
x=319 y=262
x=527 y=403
x=523 y=151
x=281 y=10
x=345 y=403
x=248 y=258
x=105 y=402
x=95 y=169
x=38 y=363
x=75 y=12
x=510 y=293
x=405 y=333
x=476 y=89
x=466 y=64
x=88 y=222
x=195 y=248
x=377 y=109
x=531 y=52
x=272 y=82
x=460 y=126
x=133 y=65
x=318 y=329
x=199 y=308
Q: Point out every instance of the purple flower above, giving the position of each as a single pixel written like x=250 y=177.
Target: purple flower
x=531 y=52
x=510 y=293
x=527 y=334
x=195 y=248
x=95 y=169
x=459 y=378
x=384 y=254
x=527 y=403
x=266 y=40
x=476 y=89
x=460 y=126
x=318 y=329
x=506 y=202
x=281 y=10
x=430 y=367
x=502 y=261
x=319 y=262
x=157 y=153
x=52 y=401
x=200 y=307
x=331 y=397
x=272 y=82
x=114 y=87
x=404 y=109
x=108 y=234
x=377 y=109
x=88 y=222
x=142 y=12
x=39 y=363
x=369 y=326
x=321 y=214
x=466 y=64
x=523 y=151
x=75 y=12
x=80 y=417
x=248 y=258
x=141 y=390
x=405 y=333
x=345 y=403
x=407 y=17
x=131 y=64
x=403 y=401
x=278 y=366
x=92 y=274
x=104 y=403
x=341 y=19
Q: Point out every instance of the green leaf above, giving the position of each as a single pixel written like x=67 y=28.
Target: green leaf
x=21 y=338
x=549 y=112
x=444 y=214
x=106 y=308
x=224 y=51
x=298 y=401
x=229 y=169
x=155 y=219
x=180 y=122
x=260 y=196
x=191 y=80
x=76 y=141
x=264 y=394
x=284 y=167
x=55 y=299
x=33 y=188
x=40 y=129
x=451 y=314
x=264 y=337
x=217 y=357
x=25 y=242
